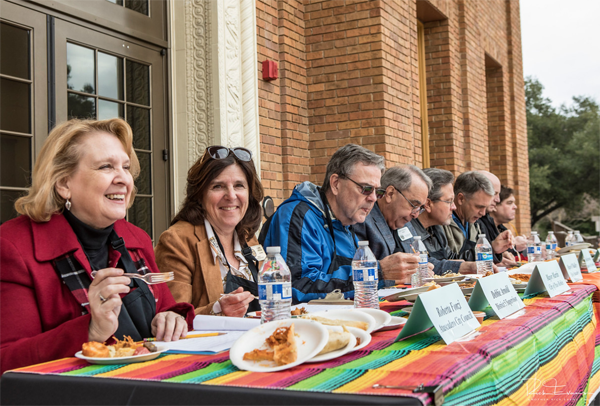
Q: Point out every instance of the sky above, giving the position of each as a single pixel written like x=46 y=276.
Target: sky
x=561 y=47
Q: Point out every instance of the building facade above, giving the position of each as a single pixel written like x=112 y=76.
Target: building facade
x=436 y=83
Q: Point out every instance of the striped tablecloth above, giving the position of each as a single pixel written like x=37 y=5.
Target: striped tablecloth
x=548 y=355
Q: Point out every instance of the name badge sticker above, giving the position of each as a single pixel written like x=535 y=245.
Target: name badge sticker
x=497 y=291
x=445 y=309
x=569 y=265
x=404 y=234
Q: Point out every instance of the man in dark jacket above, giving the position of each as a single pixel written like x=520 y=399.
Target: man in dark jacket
x=388 y=228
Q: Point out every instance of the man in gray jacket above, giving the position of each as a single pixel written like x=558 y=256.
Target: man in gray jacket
x=387 y=227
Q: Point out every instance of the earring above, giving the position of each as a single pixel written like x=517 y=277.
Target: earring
x=68 y=205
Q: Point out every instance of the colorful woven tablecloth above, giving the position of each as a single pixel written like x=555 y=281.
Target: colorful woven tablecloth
x=543 y=355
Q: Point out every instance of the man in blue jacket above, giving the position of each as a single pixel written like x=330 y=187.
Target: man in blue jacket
x=312 y=227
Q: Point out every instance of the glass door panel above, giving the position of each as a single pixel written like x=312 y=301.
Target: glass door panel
x=106 y=77
x=22 y=93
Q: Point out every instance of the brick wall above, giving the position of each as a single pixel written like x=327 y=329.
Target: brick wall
x=349 y=73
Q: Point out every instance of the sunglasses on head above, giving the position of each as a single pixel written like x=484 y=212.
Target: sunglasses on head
x=366 y=190
x=220 y=152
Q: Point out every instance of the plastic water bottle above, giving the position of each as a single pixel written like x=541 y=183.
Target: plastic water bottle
x=570 y=239
x=551 y=245
x=578 y=238
x=534 y=248
x=364 y=276
x=274 y=287
x=485 y=257
x=423 y=272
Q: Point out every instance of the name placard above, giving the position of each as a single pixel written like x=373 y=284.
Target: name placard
x=497 y=291
x=586 y=259
x=569 y=265
x=547 y=276
x=445 y=309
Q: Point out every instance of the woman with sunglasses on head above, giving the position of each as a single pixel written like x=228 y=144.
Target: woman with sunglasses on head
x=208 y=243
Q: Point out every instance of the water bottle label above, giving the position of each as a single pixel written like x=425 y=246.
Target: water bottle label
x=484 y=256
x=554 y=245
x=364 y=274
x=422 y=259
x=551 y=247
x=534 y=250
x=274 y=291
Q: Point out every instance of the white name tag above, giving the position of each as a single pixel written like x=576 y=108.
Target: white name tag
x=547 y=276
x=497 y=291
x=570 y=267
x=586 y=259
x=404 y=234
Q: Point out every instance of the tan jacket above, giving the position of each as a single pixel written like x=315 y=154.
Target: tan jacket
x=456 y=238
x=185 y=250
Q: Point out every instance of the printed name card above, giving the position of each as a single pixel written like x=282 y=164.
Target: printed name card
x=445 y=309
x=569 y=265
x=586 y=259
x=497 y=291
x=547 y=276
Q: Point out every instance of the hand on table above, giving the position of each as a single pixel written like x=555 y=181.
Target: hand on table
x=520 y=243
x=169 y=326
x=235 y=304
x=105 y=303
x=508 y=260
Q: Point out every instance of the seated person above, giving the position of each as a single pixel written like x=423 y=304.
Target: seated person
x=438 y=212
x=208 y=243
x=503 y=215
x=312 y=227
x=72 y=222
x=473 y=193
x=388 y=228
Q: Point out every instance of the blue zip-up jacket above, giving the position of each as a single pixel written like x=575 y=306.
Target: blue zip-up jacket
x=300 y=228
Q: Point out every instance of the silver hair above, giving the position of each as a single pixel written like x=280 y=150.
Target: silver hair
x=439 y=178
x=343 y=160
x=401 y=177
x=471 y=182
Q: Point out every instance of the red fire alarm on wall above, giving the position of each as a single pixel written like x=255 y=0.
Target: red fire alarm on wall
x=269 y=70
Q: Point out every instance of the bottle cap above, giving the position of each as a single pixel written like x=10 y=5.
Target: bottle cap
x=481 y=235
x=363 y=243
x=417 y=237
x=550 y=232
x=273 y=250
x=534 y=233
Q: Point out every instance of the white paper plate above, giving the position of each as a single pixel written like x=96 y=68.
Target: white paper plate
x=349 y=314
x=401 y=294
x=381 y=318
x=123 y=360
x=445 y=279
x=576 y=247
x=395 y=323
x=311 y=337
x=527 y=268
x=337 y=353
x=365 y=338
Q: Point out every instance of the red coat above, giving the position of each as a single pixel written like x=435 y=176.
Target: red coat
x=40 y=319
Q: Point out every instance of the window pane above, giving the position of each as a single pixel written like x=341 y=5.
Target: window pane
x=144 y=181
x=16 y=160
x=110 y=76
x=15 y=106
x=139 y=120
x=14 y=51
x=81 y=107
x=141 y=6
x=7 y=204
x=108 y=110
x=140 y=214
x=138 y=83
x=80 y=69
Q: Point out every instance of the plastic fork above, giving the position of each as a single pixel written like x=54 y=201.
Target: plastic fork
x=149 y=278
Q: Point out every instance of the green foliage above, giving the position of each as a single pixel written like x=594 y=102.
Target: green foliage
x=564 y=152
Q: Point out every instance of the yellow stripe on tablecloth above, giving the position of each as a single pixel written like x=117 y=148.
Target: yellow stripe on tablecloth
x=364 y=382
x=414 y=356
x=593 y=386
x=225 y=379
x=132 y=367
x=525 y=394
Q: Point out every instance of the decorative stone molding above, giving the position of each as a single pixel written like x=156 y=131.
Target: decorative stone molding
x=198 y=71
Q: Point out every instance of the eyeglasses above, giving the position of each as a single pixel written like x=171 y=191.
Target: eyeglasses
x=448 y=202
x=366 y=190
x=220 y=152
x=415 y=209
